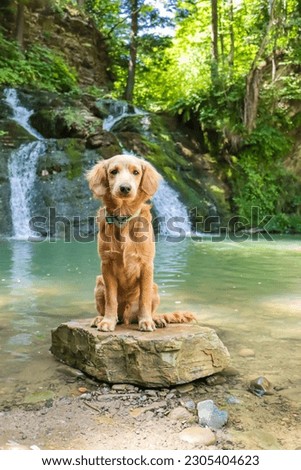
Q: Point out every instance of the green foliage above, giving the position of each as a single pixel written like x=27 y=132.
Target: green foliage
x=113 y=18
x=38 y=67
x=95 y=91
x=255 y=187
x=259 y=174
x=285 y=223
x=71 y=116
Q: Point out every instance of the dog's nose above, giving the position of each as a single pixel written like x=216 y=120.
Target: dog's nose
x=125 y=188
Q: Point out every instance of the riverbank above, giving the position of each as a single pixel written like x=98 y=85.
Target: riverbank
x=96 y=416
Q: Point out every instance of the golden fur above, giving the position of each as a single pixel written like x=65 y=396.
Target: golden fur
x=125 y=291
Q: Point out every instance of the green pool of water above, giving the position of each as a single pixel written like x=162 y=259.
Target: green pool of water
x=249 y=292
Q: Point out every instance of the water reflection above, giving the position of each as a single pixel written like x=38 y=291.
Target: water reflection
x=21 y=264
x=17 y=313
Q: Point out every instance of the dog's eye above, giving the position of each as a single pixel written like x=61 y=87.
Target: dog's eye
x=135 y=172
x=114 y=172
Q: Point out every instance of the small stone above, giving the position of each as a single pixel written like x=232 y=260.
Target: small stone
x=261 y=386
x=210 y=415
x=136 y=412
x=215 y=380
x=82 y=389
x=246 y=352
x=70 y=371
x=233 y=400
x=119 y=387
x=198 y=436
x=86 y=396
x=180 y=414
x=170 y=396
x=189 y=405
x=151 y=393
x=185 y=388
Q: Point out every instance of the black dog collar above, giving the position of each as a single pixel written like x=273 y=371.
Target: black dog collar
x=120 y=220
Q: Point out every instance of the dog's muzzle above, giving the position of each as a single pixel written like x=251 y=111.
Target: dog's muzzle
x=125 y=189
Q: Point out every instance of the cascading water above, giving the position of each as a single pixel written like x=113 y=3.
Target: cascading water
x=173 y=216
x=22 y=169
x=20 y=114
x=119 y=110
x=172 y=213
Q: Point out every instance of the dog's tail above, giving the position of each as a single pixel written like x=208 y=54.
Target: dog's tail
x=162 y=319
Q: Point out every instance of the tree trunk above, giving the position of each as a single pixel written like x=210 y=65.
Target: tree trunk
x=214 y=41
x=253 y=80
x=129 y=91
x=20 y=24
x=252 y=98
x=221 y=35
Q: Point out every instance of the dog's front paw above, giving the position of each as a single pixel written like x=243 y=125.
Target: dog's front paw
x=160 y=322
x=107 y=324
x=95 y=322
x=147 y=325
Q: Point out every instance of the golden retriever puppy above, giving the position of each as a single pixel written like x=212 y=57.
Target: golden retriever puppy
x=126 y=291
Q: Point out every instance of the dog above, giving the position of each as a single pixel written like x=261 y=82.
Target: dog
x=126 y=292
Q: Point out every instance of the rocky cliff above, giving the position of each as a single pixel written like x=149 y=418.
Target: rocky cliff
x=75 y=139
x=67 y=32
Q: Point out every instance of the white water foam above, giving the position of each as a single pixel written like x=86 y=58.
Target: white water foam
x=118 y=111
x=22 y=166
x=20 y=114
x=22 y=174
x=172 y=213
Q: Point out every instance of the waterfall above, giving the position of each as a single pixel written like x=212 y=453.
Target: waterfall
x=22 y=169
x=171 y=212
x=119 y=110
x=20 y=114
x=22 y=174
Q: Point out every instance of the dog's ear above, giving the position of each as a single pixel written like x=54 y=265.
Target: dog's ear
x=150 y=179
x=97 y=178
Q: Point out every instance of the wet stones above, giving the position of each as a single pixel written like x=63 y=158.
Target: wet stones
x=210 y=415
x=169 y=356
x=261 y=386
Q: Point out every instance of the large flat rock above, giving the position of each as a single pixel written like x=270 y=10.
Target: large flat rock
x=174 y=355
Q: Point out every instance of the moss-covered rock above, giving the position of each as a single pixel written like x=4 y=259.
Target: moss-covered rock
x=178 y=156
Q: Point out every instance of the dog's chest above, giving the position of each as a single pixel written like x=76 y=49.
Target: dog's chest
x=124 y=260
x=127 y=269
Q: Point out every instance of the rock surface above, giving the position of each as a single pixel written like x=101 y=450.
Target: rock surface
x=210 y=416
x=198 y=436
x=174 y=355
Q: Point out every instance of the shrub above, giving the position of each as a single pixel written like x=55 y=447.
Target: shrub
x=39 y=67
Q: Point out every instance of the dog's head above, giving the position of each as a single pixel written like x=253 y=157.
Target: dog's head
x=123 y=177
